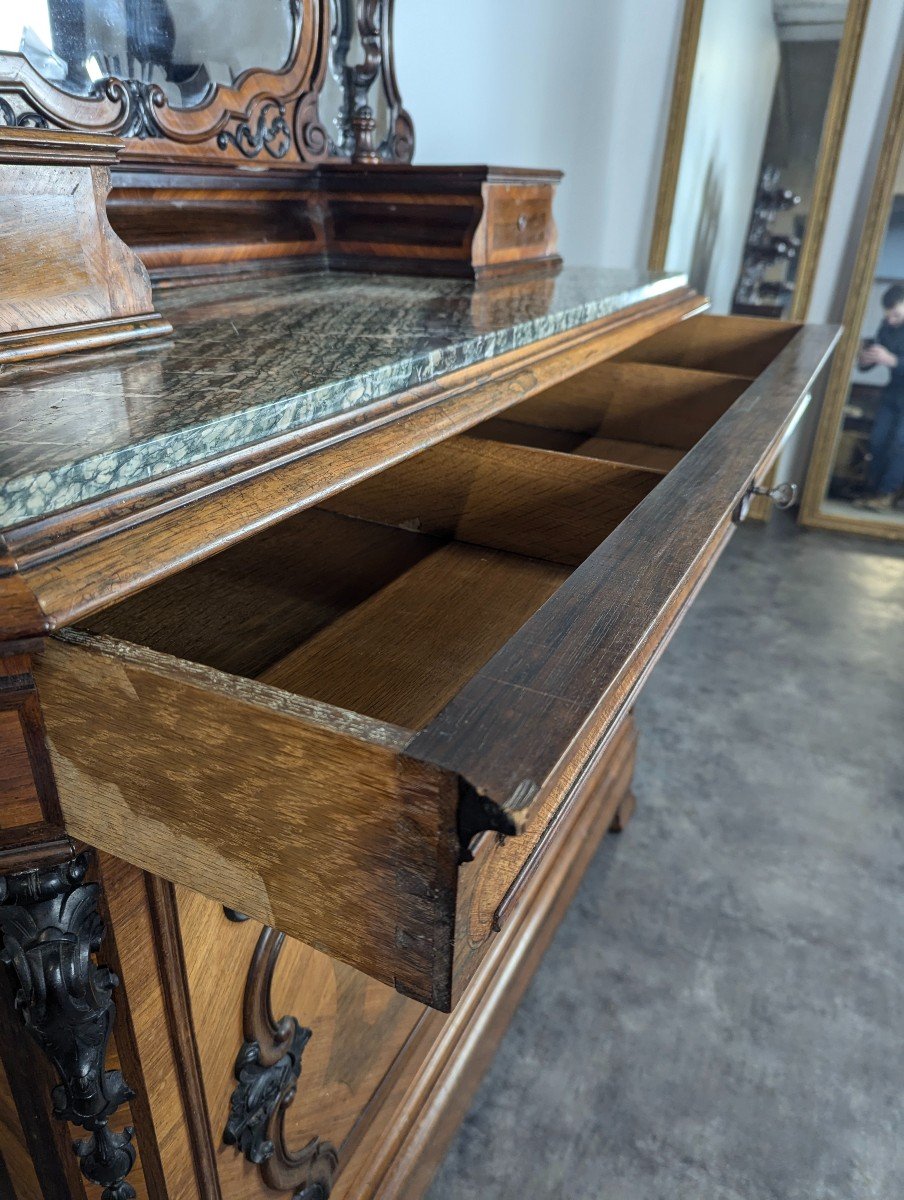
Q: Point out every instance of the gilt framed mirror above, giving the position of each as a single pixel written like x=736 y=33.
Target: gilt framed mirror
x=760 y=100
x=856 y=478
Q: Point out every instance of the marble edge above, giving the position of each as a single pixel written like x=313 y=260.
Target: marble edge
x=42 y=493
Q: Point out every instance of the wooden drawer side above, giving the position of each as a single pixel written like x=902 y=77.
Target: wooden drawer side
x=304 y=818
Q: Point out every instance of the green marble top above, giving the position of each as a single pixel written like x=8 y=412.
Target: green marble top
x=252 y=360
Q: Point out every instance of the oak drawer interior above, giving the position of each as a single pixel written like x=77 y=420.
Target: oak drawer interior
x=374 y=610
x=651 y=404
x=742 y=346
x=268 y=726
x=387 y=598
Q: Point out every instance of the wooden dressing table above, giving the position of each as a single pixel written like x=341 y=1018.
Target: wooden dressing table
x=340 y=530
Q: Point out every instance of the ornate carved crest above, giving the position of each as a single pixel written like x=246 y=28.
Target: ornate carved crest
x=50 y=928
x=259 y=112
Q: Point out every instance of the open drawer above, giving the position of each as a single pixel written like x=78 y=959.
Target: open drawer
x=358 y=725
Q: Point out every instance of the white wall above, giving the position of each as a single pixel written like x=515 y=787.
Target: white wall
x=581 y=85
x=731 y=99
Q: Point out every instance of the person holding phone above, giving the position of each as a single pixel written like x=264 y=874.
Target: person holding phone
x=885 y=476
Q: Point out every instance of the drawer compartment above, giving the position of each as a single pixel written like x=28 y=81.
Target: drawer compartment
x=320 y=725
x=242 y=727
x=637 y=414
x=743 y=346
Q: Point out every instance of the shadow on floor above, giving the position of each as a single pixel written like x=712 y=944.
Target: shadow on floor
x=721 y=1014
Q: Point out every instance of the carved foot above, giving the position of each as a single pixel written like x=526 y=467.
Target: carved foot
x=50 y=928
x=623 y=813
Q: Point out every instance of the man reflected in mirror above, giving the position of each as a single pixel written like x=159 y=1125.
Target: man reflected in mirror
x=886 y=465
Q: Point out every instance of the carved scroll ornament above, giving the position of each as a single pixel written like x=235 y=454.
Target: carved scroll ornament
x=271 y=114
x=50 y=929
x=267 y=1071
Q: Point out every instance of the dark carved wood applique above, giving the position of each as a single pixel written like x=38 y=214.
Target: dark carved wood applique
x=270 y=103
x=267 y=1071
x=50 y=928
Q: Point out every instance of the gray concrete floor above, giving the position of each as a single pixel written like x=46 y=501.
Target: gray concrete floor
x=721 y=1014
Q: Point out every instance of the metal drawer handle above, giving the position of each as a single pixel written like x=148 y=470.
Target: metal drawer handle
x=783 y=495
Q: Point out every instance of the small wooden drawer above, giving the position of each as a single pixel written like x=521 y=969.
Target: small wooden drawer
x=519 y=223
x=322 y=725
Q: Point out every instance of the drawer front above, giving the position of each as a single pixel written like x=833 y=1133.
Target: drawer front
x=557 y=686
x=519 y=222
x=321 y=726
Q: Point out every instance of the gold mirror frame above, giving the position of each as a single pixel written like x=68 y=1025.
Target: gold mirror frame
x=829 y=145
x=838 y=385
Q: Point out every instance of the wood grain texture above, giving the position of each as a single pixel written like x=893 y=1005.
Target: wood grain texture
x=68 y=281
x=73 y=564
x=169 y=1158
x=579 y=658
x=495 y=884
x=245 y=609
x=640 y=402
x=354 y=851
x=736 y=345
x=532 y=690
x=375 y=1058
x=359 y=1027
x=631 y=454
x=19 y=802
x=467 y=222
x=404 y=653
x=518 y=499
x=29 y=807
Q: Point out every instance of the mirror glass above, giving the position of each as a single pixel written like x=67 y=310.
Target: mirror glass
x=762 y=77
x=340 y=95
x=867 y=476
x=185 y=46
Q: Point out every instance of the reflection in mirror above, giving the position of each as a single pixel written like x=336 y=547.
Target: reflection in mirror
x=739 y=200
x=351 y=80
x=867 y=475
x=184 y=46
x=808 y=53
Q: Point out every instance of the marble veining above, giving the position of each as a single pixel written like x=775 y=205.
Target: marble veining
x=250 y=361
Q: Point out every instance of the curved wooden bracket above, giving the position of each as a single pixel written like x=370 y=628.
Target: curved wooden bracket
x=267 y=1070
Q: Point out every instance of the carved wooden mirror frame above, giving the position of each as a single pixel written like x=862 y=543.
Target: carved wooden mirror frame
x=812 y=511
x=829 y=146
x=266 y=114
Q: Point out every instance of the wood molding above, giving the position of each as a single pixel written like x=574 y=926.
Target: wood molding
x=165 y=913
x=872 y=237
x=60 y=568
x=400 y=1138
x=91 y=290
